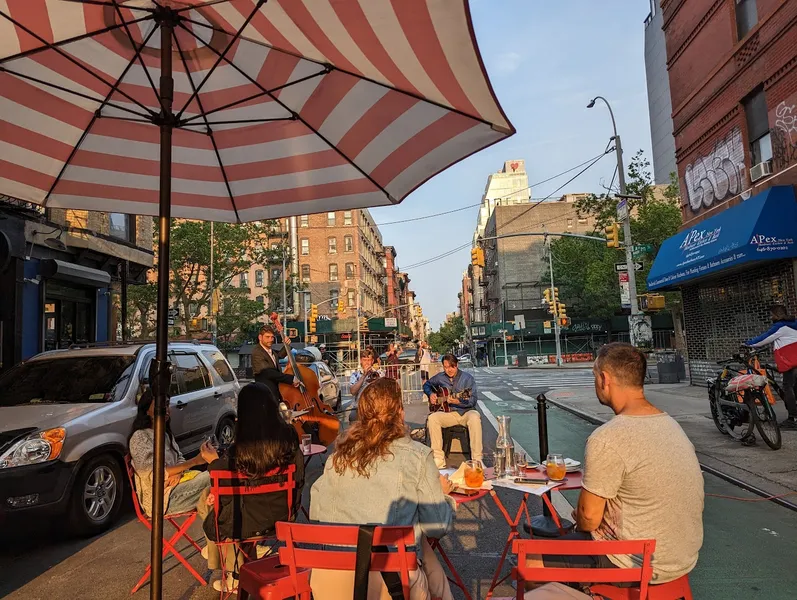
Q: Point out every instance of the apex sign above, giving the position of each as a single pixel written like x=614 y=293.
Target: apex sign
x=700 y=237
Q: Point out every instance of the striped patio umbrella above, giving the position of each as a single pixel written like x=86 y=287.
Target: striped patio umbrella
x=234 y=110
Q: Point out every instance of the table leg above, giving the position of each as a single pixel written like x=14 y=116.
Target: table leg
x=457 y=580
x=513 y=533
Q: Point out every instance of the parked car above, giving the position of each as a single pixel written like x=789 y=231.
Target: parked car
x=330 y=393
x=465 y=361
x=406 y=357
x=65 y=418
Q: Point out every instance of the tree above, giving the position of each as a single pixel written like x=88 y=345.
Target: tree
x=238 y=313
x=446 y=337
x=141 y=303
x=584 y=270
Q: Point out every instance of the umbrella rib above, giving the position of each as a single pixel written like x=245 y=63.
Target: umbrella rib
x=78 y=63
x=298 y=117
x=221 y=56
x=255 y=96
x=91 y=124
x=68 y=91
x=138 y=51
x=110 y=4
x=345 y=72
x=78 y=38
x=210 y=130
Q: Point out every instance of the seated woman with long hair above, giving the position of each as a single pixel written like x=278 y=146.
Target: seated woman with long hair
x=378 y=475
x=263 y=443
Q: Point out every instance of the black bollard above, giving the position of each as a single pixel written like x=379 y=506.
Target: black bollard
x=543 y=525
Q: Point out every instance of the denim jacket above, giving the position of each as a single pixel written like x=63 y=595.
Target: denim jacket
x=402 y=489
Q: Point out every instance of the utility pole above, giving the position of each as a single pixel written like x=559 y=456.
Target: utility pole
x=284 y=294
x=212 y=289
x=357 y=324
x=305 y=296
x=556 y=315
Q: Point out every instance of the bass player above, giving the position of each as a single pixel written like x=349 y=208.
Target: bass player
x=461 y=402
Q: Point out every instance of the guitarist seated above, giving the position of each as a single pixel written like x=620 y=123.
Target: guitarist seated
x=461 y=401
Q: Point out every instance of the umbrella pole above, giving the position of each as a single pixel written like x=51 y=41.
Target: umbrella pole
x=161 y=370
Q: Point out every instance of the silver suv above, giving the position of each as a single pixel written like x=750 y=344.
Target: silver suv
x=65 y=417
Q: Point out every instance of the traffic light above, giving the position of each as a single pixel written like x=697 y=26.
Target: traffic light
x=613 y=236
x=341 y=306
x=363 y=324
x=477 y=257
x=311 y=321
x=551 y=298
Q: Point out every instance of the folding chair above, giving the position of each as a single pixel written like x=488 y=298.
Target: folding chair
x=333 y=547
x=237 y=485
x=168 y=545
x=641 y=575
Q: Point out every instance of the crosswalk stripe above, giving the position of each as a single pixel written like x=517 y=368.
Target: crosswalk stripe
x=492 y=397
x=522 y=396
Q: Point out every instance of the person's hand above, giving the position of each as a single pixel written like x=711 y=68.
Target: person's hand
x=211 y=500
x=173 y=480
x=296 y=382
x=208 y=453
x=433 y=398
x=453 y=400
x=446 y=484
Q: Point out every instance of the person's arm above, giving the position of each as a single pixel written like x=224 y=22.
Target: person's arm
x=356 y=382
x=142 y=450
x=435 y=509
x=259 y=363
x=604 y=471
x=468 y=383
x=428 y=387
x=765 y=338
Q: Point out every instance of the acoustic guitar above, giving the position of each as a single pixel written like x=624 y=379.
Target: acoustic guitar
x=443 y=396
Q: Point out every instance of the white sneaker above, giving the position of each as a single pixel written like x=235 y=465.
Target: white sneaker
x=226 y=586
x=204 y=552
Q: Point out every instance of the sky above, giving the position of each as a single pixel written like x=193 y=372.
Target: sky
x=546 y=60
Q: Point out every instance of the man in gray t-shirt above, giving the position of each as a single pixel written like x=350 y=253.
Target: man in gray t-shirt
x=641 y=476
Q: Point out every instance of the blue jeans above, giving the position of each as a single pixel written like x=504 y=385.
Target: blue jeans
x=186 y=496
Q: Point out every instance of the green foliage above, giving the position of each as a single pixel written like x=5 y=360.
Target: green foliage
x=446 y=337
x=141 y=303
x=584 y=270
x=233 y=322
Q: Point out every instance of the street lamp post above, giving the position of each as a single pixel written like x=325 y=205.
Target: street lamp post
x=629 y=252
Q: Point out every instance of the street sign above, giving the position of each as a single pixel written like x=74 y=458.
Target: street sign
x=641 y=249
x=174 y=313
x=622 y=210
x=625 y=289
x=170 y=322
x=520 y=322
x=620 y=267
x=391 y=322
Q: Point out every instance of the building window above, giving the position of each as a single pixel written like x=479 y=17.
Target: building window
x=333 y=245
x=275 y=246
x=333 y=297
x=755 y=110
x=305 y=247
x=746 y=16
x=351 y=298
x=582 y=221
x=347 y=217
x=260 y=300
x=333 y=272
x=304 y=221
x=259 y=277
x=244 y=280
x=122 y=226
x=349 y=270
x=570 y=223
x=276 y=275
x=348 y=244
x=330 y=219
x=305 y=273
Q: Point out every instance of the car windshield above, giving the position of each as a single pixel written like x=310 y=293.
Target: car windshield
x=73 y=380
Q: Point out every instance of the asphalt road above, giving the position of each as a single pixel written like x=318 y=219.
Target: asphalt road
x=749 y=549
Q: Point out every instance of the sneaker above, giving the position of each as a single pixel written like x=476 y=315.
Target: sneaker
x=749 y=441
x=226 y=586
x=790 y=423
x=204 y=552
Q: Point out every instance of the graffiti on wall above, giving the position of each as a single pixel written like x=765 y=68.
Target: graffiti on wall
x=784 y=135
x=719 y=175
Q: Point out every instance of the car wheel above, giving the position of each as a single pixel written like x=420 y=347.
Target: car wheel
x=96 y=496
x=225 y=432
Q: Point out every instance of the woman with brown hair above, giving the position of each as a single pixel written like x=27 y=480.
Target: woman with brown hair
x=378 y=475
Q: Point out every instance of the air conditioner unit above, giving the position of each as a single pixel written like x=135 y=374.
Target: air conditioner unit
x=761 y=170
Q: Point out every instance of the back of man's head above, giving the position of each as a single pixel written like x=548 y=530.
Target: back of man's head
x=626 y=365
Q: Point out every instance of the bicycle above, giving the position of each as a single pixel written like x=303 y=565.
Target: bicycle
x=740 y=400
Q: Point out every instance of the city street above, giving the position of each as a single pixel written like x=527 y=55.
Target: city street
x=748 y=551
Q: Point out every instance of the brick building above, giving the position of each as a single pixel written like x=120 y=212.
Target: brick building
x=732 y=68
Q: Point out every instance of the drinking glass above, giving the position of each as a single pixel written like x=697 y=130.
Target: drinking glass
x=474 y=473
x=213 y=441
x=499 y=463
x=307 y=441
x=521 y=463
x=555 y=467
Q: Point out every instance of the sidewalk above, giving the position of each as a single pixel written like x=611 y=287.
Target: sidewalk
x=772 y=471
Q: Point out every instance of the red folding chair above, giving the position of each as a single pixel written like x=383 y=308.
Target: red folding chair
x=168 y=545
x=641 y=575
x=288 y=574
x=237 y=485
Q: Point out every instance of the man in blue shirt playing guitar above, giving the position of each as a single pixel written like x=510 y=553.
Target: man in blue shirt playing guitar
x=452 y=401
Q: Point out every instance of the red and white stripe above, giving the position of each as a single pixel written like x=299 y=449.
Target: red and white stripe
x=406 y=97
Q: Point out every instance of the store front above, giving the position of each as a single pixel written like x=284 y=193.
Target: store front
x=730 y=269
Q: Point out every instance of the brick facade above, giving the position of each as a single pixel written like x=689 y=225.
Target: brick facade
x=714 y=67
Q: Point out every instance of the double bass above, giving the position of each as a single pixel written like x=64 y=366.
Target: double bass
x=320 y=422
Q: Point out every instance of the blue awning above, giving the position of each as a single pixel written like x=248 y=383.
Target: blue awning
x=761 y=228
